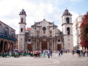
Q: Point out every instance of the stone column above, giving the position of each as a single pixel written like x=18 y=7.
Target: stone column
x=56 y=44
x=48 y=45
x=62 y=46
x=25 y=46
x=6 y=46
x=52 y=44
x=36 y=44
x=13 y=45
x=32 y=45
x=40 y=45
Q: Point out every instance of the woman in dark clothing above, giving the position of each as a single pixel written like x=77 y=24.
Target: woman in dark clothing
x=73 y=52
x=78 y=53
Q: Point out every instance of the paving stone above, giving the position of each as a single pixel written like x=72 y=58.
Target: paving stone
x=64 y=60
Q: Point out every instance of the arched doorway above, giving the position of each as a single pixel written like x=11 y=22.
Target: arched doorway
x=11 y=47
x=44 y=45
x=29 y=47
x=8 y=46
x=5 y=47
x=38 y=46
x=50 y=46
x=1 y=46
x=58 y=46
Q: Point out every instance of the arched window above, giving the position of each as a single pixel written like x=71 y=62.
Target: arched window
x=29 y=40
x=21 y=29
x=50 y=33
x=68 y=30
x=37 y=33
x=67 y=20
x=21 y=20
x=58 y=40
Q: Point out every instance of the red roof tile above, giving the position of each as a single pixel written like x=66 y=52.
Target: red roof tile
x=28 y=29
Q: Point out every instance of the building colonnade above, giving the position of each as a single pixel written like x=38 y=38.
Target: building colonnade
x=6 y=45
x=44 y=43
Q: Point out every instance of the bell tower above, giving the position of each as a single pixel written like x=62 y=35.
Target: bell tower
x=22 y=29
x=67 y=30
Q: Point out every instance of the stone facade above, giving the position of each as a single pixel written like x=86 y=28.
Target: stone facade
x=76 y=28
x=7 y=38
x=44 y=34
x=67 y=30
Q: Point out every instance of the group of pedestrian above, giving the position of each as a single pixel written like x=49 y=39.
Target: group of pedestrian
x=47 y=52
x=60 y=52
x=80 y=52
x=13 y=53
x=35 y=53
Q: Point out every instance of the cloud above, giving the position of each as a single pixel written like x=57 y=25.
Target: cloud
x=74 y=15
x=76 y=0
x=36 y=10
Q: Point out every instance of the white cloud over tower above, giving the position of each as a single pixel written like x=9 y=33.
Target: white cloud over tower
x=35 y=9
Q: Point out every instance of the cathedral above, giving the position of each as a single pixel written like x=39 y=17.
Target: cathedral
x=45 y=35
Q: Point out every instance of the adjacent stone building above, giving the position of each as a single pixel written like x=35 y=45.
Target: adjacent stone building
x=45 y=35
x=76 y=33
x=7 y=38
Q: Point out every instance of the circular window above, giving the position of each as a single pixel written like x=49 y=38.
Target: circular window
x=58 y=40
x=29 y=40
x=44 y=28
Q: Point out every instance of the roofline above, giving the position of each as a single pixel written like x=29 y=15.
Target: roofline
x=78 y=17
x=65 y=15
x=7 y=25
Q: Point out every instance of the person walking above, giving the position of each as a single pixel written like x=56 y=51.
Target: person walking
x=51 y=53
x=10 y=53
x=59 y=53
x=43 y=53
x=3 y=54
x=73 y=52
x=78 y=53
x=84 y=53
x=87 y=53
x=48 y=54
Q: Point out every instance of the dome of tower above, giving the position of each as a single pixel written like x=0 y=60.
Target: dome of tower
x=22 y=12
x=66 y=13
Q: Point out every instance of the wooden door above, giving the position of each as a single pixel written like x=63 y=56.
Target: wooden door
x=58 y=46
x=44 y=45
x=29 y=47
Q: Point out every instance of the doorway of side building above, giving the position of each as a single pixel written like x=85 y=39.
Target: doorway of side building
x=29 y=47
x=1 y=46
x=44 y=45
x=58 y=46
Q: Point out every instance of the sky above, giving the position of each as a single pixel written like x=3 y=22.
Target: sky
x=37 y=10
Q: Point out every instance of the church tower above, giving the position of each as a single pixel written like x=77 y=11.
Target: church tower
x=22 y=29
x=67 y=30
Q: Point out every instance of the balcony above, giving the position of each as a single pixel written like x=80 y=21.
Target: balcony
x=2 y=35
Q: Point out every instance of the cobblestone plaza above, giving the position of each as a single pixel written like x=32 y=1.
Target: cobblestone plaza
x=64 y=60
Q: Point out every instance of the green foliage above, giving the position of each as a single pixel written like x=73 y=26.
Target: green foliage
x=84 y=31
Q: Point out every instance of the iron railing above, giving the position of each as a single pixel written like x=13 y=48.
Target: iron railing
x=2 y=35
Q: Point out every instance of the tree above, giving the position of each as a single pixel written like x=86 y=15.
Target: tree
x=84 y=31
